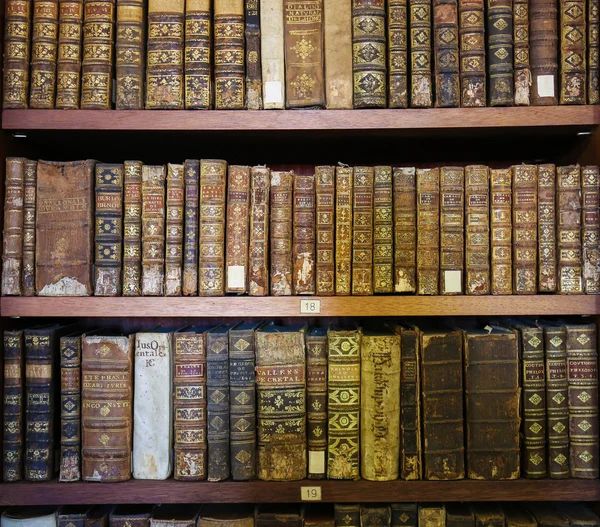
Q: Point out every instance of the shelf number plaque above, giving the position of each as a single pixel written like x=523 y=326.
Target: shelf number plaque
x=311 y=307
x=310 y=493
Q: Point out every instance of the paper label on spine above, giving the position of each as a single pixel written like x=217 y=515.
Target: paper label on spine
x=545 y=85
x=310 y=493
x=236 y=277
x=273 y=92
x=453 y=281
x=316 y=462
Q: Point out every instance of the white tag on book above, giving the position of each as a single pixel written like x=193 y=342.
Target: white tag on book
x=310 y=493
x=316 y=462
x=273 y=92
x=235 y=277
x=545 y=85
x=453 y=281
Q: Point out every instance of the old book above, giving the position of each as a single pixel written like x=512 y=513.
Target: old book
x=383 y=236
x=132 y=229
x=442 y=404
x=29 y=209
x=578 y=514
x=445 y=42
x=405 y=230
x=258 y=251
x=369 y=54
x=460 y=515
x=573 y=82
x=68 y=64
x=319 y=515
x=106 y=406
x=452 y=226
x=272 y=54
x=593 y=52
x=501 y=231
x=546 y=515
x=44 y=44
x=346 y=514
x=303 y=252
x=213 y=178
x=191 y=175
x=74 y=515
x=108 y=260
x=338 y=54
x=568 y=230
x=226 y=516
x=375 y=515
x=281 y=376
x=174 y=230
x=522 y=73
x=254 y=96
x=281 y=229
x=14 y=407
x=17 y=35
x=546 y=228
x=197 y=48
x=380 y=405
x=12 y=235
x=472 y=53
x=291 y=515
x=165 y=48
x=590 y=228
x=404 y=514
x=500 y=52
x=153 y=230
x=344 y=185
x=175 y=515
x=543 y=52
x=397 y=42
x=488 y=514
x=64 y=228
x=362 y=231
x=432 y=515
x=517 y=516
x=130 y=52
x=229 y=54
x=477 y=221
x=99 y=516
x=134 y=515
x=421 y=86
x=325 y=230
x=29 y=516
x=238 y=227
x=316 y=401
x=428 y=234
x=525 y=229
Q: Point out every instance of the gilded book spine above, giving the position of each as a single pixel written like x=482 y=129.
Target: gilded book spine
x=383 y=237
x=238 y=205
x=525 y=229
x=477 y=221
x=13 y=434
x=346 y=514
x=472 y=53
x=153 y=230
x=191 y=174
x=397 y=40
x=70 y=408
x=362 y=232
x=174 y=230
x=12 y=250
x=501 y=231
x=428 y=237
x=28 y=282
x=543 y=47
x=44 y=45
x=304 y=235
x=590 y=225
x=338 y=53
x=130 y=50
x=316 y=402
x=593 y=52
x=445 y=30
x=198 y=68
x=421 y=89
x=132 y=229
x=547 y=228
x=344 y=183
x=281 y=233
x=68 y=64
x=375 y=515
x=452 y=227
x=573 y=80
x=325 y=225
x=258 y=252
x=272 y=54
x=521 y=52
x=500 y=52
x=17 y=34
x=254 y=95
x=405 y=230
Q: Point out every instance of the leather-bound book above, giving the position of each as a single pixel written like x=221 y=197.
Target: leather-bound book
x=568 y=230
x=242 y=401
x=44 y=45
x=472 y=53
x=316 y=401
x=593 y=52
x=29 y=517
x=191 y=175
x=460 y=515
x=375 y=515
x=258 y=251
x=344 y=186
x=106 y=406
x=543 y=52
x=14 y=407
x=175 y=515
x=174 y=230
x=477 y=221
x=99 y=516
x=134 y=515
x=500 y=52
x=488 y=514
x=238 y=227
x=226 y=516
x=362 y=231
x=304 y=58
x=432 y=515
x=546 y=515
x=303 y=252
x=165 y=49
x=325 y=230
x=197 y=75
x=442 y=404
x=108 y=260
x=281 y=229
x=404 y=514
x=153 y=230
x=405 y=230
x=383 y=236
x=320 y=515
x=573 y=82
x=452 y=226
x=501 y=231
x=397 y=41
x=578 y=514
x=213 y=177
x=428 y=231
x=343 y=403
x=281 y=427
x=29 y=209
x=64 y=228
x=369 y=53
x=346 y=514
x=338 y=54
x=132 y=229
x=130 y=50
x=380 y=405
x=272 y=54
x=74 y=515
x=517 y=516
x=421 y=86
x=445 y=42
x=17 y=34
x=229 y=52
x=68 y=63
x=525 y=229
x=12 y=246
x=492 y=398
x=254 y=96
x=279 y=515
x=590 y=228
x=521 y=52
x=546 y=228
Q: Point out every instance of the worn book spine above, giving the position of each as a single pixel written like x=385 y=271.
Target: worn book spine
x=238 y=226
x=29 y=196
x=109 y=230
x=134 y=516
x=590 y=229
x=344 y=186
x=229 y=54
x=191 y=175
x=12 y=247
x=325 y=230
x=281 y=229
x=130 y=51
x=316 y=402
x=404 y=514
x=421 y=86
x=525 y=227
x=445 y=41
x=153 y=230
x=44 y=46
x=543 y=49
x=573 y=82
x=258 y=251
x=132 y=229
x=405 y=230
x=346 y=514
x=452 y=227
x=432 y=515
x=272 y=54
x=164 y=63
x=369 y=53
x=375 y=515
x=68 y=63
x=522 y=74
x=254 y=95
x=74 y=515
x=17 y=35
x=174 y=230
x=338 y=54
x=500 y=52
x=501 y=231
x=383 y=236
x=593 y=52
x=70 y=408
x=477 y=221
x=472 y=53
x=13 y=408
x=343 y=404
x=362 y=231
x=197 y=48
x=397 y=41
x=303 y=252
x=546 y=228
x=428 y=238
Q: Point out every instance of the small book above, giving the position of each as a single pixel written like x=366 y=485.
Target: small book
x=543 y=52
x=405 y=230
x=68 y=64
x=546 y=228
x=362 y=231
x=130 y=50
x=477 y=236
x=29 y=224
x=421 y=43
x=174 y=230
x=198 y=68
x=501 y=227
x=428 y=231
x=281 y=229
x=44 y=46
x=191 y=175
x=153 y=230
x=590 y=228
x=258 y=251
x=325 y=230
x=16 y=54
x=375 y=515
x=500 y=52
x=226 y=516
x=254 y=95
x=132 y=229
x=432 y=515
x=12 y=235
x=14 y=407
x=344 y=184
x=522 y=66
x=338 y=54
x=472 y=53
x=525 y=229
x=452 y=227
x=446 y=45
x=346 y=514
x=573 y=82
x=303 y=252
x=272 y=54
x=383 y=243
x=397 y=41
x=404 y=514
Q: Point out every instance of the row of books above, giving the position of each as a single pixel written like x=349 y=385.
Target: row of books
x=206 y=228
x=256 y=400
x=300 y=53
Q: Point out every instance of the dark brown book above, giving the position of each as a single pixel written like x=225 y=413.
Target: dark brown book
x=258 y=252
x=477 y=236
x=525 y=229
x=13 y=432
x=578 y=514
x=383 y=236
x=226 y=516
x=303 y=252
x=281 y=229
x=153 y=230
x=198 y=68
x=44 y=46
x=501 y=198
x=573 y=82
x=17 y=37
x=404 y=514
x=12 y=246
x=488 y=515
x=29 y=220
x=131 y=515
x=68 y=64
x=421 y=86
x=132 y=229
x=325 y=230
x=500 y=52
x=543 y=50
x=254 y=96
x=344 y=184
x=346 y=514
x=397 y=41
x=445 y=31
x=545 y=515
x=472 y=53
x=593 y=52
x=191 y=175
x=130 y=52
x=459 y=515
x=375 y=515
x=405 y=230
x=319 y=515
x=546 y=228
x=521 y=52
x=428 y=231
x=517 y=516
x=279 y=515
x=72 y=515
x=173 y=515
x=452 y=227
x=362 y=231
x=99 y=516
x=590 y=228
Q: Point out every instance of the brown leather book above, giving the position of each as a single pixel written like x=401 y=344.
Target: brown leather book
x=338 y=54
x=501 y=230
x=432 y=514
x=421 y=87
x=404 y=514
x=131 y=515
x=304 y=58
x=281 y=233
x=254 y=97
x=258 y=252
x=521 y=52
x=472 y=53
x=573 y=82
x=383 y=236
x=452 y=227
x=226 y=516
x=397 y=41
x=405 y=230
x=29 y=207
x=517 y=516
x=445 y=41
x=12 y=248
x=64 y=228
x=325 y=230
x=346 y=514
x=74 y=515
x=375 y=515
x=593 y=52
x=153 y=230
x=525 y=196
x=238 y=226
x=344 y=185
x=174 y=230
x=500 y=52
x=460 y=515
x=590 y=228
x=44 y=45
x=579 y=515
x=68 y=64
x=543 y=49
x=319 y=515
x=428 y=233
x=488 y=514
x=546 y=228
x=191 y=176
x=477 y=220
x=546 y=515
x=175 y=515
x=132 y=229
x=198 y=68
x=130 y=54
x=17 y=35
x=98 y=516
x=13 y=432
x=303 y=278
x=362 y=232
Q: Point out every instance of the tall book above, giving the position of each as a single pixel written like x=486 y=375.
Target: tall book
x=445 y=45
x=197 y=60
x=174 y=230
x=17 y=35
x=500 y=52
x=44 y=45
x=421 y=87
x=472 y=53
x=153 y=230
x=525 y=229
x=460 y=515
x=281 y=229
x=543 y=52
x=590 y=228
x=573 y=82
x=226 y=516
x=362 y=231
x=522 y=73
x=272 y=54
x=29 y=222
x=501 y=231
x=303 y=252
x=477 y=221
x=546 y=228
x=405 y=230
x=258 y=251
x=132 y=229
x=397 y=42
x=68 y=64
x=64 y=228
x=338 y=54
x=383 y=236
x=346 y=514
x=14 y=408
x=12 y=235
x=452 y=226
x=428 y=234
x=344 y=186
x=404 y=514
x=593 y=52
x=254 y=95
x=375 y=515
x=130 y=52
x=191 y=175
x=432 y=515
x=281 y=376
x=325 y=230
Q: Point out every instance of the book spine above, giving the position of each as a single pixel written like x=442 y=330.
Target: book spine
x=397 y=41
x=272 y=54
x=521 y=52
x=477 y=220
x=338 y=54
x=501 y=231
x=405 y=230
x=405 y=515
x=573 y=80
x=346 y=514
x=44 y=45
x=213 y=181
x=590 y=233
x=130 y=51
x=238 y=226
x=281 y=233
x=70 y=408
x=445 y=31
x=174 y=230
x=344 y=186
x=593 y=52
x=369 y=53
x=543 y=48
x=191 y=174
x=198 y=67
x=428 y=238
x=325 y=226
x=304 y=236
x=421 y=89
x=258 y=252
x=68 y=64
x=432 y=516
x=109 y=230
x=12 y=249
x=29 y=195
x=383 y=237
x=525 y=227
x=547 y=228
x=316 y=402
x=362 y=232
x=13 y=436
x=132 y=229
x=375 y=515
x=500 y=52
x=17 y=35
x=452 y=227
x=153 y=230
x=472 y=53
x=254 y=95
